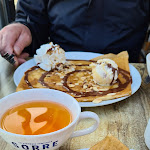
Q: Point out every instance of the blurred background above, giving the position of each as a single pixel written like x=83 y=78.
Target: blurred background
x=7 y=15
x=7 y=12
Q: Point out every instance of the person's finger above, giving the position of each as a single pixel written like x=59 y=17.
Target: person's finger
x=0 y=42
x=16 y=62
x=21 y=59
x=7 y=42
x=24 y=55
x=23 y=41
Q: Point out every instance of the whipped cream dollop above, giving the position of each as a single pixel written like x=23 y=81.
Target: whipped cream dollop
x=104 y=72
x=48 y=56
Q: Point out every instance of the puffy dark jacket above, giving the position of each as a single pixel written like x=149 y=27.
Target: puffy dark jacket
x=101 y=26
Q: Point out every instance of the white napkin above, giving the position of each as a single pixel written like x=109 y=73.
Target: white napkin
x=147 y=134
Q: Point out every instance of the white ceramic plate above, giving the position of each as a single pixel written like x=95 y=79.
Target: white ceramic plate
x=136 y=77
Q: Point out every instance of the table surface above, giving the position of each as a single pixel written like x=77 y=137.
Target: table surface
x=126 y=120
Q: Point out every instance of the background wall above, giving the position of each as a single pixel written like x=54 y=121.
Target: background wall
x=3 y=14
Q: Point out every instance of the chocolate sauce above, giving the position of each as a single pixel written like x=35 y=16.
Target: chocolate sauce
x=26 y=76
x=121 y=86
x=113 y=70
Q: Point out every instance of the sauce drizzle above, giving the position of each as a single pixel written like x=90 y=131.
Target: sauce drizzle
x=121 y=86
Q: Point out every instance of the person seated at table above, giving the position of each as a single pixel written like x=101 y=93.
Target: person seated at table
x=101 y=26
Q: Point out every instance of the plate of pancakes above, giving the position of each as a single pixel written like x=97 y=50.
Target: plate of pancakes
x=76 y=78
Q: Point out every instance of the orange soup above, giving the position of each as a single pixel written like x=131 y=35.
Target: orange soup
x=36 y=117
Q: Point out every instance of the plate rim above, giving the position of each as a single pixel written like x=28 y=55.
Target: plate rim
x=90 y=104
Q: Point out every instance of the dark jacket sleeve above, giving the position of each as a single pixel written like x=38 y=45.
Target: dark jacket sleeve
x=33 y=14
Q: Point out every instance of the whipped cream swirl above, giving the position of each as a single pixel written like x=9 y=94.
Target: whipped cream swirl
x=48 y=56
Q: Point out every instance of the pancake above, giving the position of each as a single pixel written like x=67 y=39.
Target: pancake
x=75 y=78
x=109 y=143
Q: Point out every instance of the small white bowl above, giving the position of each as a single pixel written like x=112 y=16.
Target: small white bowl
x=147 y=135
x=148 y=63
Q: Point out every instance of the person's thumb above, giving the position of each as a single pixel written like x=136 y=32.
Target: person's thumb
x=23 y=41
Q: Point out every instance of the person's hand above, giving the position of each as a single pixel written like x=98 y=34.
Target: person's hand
x=13 y=39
